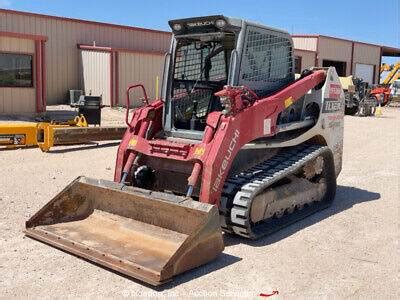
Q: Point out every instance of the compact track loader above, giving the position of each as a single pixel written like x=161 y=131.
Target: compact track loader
x=235 y=143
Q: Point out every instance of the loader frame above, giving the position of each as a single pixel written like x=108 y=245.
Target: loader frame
x=223 y=136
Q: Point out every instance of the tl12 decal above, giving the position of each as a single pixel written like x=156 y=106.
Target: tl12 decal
x=332 y=105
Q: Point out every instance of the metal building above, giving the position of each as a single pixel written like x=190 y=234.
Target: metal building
x=42 y=57
x=349 y=57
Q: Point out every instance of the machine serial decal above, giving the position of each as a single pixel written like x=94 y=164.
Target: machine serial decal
x=226 y=160
x=332 y=105
x=335 y=91
x=267 y=126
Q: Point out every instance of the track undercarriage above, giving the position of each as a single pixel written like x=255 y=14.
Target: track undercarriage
x=293 y=184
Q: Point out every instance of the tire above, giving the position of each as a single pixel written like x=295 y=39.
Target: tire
x=385 y=101
x=351 y=110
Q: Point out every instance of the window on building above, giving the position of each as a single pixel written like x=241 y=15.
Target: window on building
x=339 y=65
x=297 y=64
x=16 y=70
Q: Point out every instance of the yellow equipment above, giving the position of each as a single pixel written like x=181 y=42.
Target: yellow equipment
x=27 y=134
x=395 y=77
x=378 y=111
x=347 y=83
x=385 y=67
x=393 y=74
x=79 y=121
x=48 y=134
x=16 y=135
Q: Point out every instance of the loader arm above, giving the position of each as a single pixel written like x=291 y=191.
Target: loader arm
x=224 y=136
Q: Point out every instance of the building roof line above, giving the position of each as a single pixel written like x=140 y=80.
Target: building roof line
x=305 y=50
x=341 y=39
x=23 y=13
x=114 y=49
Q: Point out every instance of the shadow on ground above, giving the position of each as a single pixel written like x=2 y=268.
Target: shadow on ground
x=82 y=147
x=346 y=197
x=70 y=148
x=222 y=261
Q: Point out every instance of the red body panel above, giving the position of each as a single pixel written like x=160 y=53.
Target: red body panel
x=382 y=94
x=224 y=136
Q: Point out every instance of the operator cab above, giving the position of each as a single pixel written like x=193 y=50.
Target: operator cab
x=208 y=53
x=201 y=69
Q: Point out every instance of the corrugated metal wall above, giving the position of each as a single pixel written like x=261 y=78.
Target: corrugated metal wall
x=138 y=68
x=306 y=43
x=18 y=100
x=307 y=58
x=95 y=74
x=338 y=50
x=62 y=55
x=367 y=54
x=335 y=49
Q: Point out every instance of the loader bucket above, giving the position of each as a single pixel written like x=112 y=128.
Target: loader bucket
x=150 y=236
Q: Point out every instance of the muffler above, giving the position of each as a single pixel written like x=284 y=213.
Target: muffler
x=150 y=236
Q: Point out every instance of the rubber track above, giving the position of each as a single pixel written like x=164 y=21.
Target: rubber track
x=240 y=189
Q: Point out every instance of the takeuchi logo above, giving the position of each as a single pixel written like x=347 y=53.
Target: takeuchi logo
x=199 y=23
x=226 y=161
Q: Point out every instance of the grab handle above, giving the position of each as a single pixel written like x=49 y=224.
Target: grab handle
x=128 y=100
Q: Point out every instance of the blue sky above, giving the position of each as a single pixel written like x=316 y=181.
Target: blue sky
x=374 y=21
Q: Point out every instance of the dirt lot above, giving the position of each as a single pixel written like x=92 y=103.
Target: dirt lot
x=348 y=250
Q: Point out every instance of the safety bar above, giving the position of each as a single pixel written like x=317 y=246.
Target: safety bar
x=128 y=100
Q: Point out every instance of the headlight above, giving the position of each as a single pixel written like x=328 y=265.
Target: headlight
x=220 y=23
x=177 y=27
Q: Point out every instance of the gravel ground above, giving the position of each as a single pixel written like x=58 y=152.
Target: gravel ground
x=348 y=250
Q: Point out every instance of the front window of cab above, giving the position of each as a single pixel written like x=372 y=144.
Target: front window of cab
x=200 y=69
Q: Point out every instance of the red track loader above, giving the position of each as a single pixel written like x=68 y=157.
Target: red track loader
x=236 y=144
